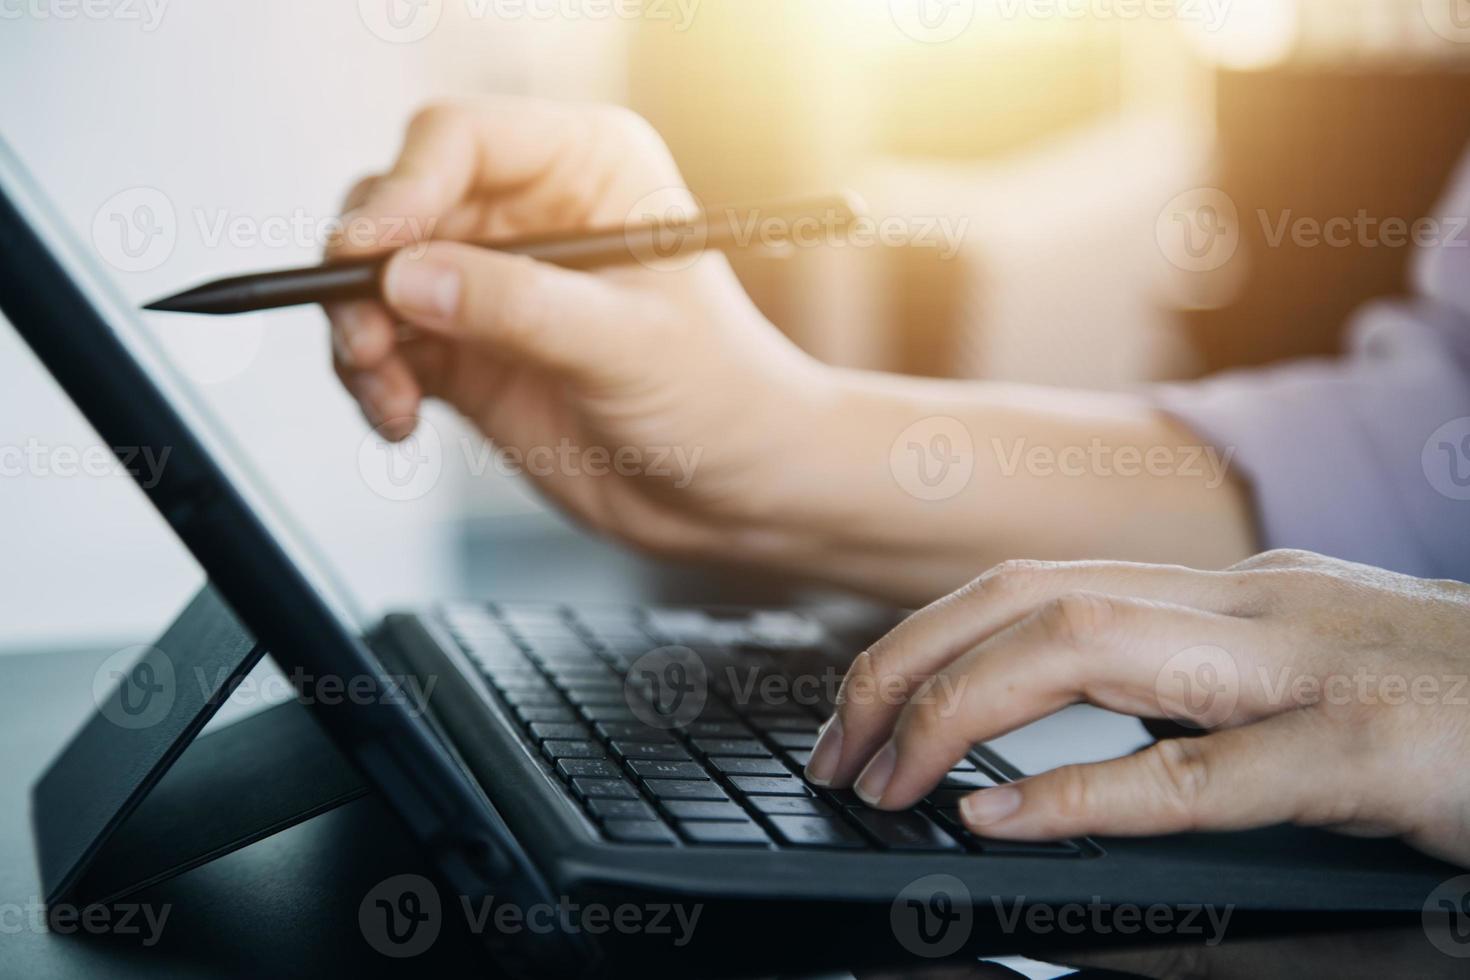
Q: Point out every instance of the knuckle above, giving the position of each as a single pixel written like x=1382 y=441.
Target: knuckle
x=627 y=125
x=1012 y=577
x=360 y=190
x=1181 y=771
x=1073 y=791
x=435 y=115
x=1079 y=619
x=922 y=722
x=1280 y=558
x=857 y=685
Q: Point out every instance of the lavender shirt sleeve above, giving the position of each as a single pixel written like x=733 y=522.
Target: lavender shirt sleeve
x=1365 y=458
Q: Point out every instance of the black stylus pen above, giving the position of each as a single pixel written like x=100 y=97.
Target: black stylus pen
x=810 y=221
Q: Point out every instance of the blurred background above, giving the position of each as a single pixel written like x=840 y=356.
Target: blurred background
x=1108 y=172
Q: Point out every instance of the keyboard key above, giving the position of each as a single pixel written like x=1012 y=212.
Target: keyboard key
x=632 y=732
x=738 y=834
x=609 y=712
x=815 y=832
x=543 y=730
x=596 y=696
x=556 y=749
x=794 y=740
x=749 y=767
x=967 y=781
x=796 y=806
x=666 y=770
x=948 y=798
x=638 y=832
x=908 y=831
x=684 y=789
x=758 y=709
x=770 y=786
x=655 y=751
x=786 y=723
x=800 y=758
x=582 y=673
x=613 y=789
x=732 y=746
x=718 y=729
x=705 y=810
x=598 y=768
x=713 y=711
x=520 y=679
x=964 y=765
x=607 y=809
x=600 y=678
x=533 y=698
x=561 y=716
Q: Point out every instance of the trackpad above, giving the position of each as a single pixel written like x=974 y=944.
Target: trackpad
x=1080 y=733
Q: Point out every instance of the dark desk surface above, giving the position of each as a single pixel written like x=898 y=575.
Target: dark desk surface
x=288 y=905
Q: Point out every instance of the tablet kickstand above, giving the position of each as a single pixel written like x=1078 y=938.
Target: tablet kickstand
x=139 y=796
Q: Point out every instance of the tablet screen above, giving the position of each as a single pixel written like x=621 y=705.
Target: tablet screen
x=116 y=316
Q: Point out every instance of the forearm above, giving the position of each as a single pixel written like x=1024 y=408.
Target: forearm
x=906 y=488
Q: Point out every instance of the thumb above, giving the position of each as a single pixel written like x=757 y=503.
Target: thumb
x=570 y=322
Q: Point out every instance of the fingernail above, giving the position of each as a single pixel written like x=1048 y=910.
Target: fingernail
x=423 y=289
x=990 y=805
x=822 y=766
x=877 y=775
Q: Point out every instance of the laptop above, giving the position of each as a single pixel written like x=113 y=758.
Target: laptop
x=570 y=751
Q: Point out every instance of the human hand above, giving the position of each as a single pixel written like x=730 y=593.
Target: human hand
x=691 y=399
x=1334 y=695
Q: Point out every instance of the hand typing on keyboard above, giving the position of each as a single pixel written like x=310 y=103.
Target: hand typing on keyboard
x=1330 y=694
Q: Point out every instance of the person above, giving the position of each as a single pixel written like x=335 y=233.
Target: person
x=1328 y=687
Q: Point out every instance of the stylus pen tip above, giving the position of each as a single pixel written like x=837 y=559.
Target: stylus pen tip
x=178 y=303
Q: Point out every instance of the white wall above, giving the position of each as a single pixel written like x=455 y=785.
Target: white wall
x=261 y=112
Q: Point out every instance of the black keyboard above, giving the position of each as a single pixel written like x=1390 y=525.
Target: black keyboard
x=682 y=728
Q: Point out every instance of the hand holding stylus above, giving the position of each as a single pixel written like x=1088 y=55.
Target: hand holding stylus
x=727 y=442
x=671 y=370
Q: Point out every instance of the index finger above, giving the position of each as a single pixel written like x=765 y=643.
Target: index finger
x=934 y=637
x=504 y=148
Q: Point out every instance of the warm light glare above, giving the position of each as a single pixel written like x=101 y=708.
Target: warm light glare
x=1256 y=34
